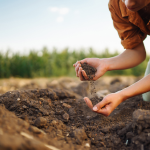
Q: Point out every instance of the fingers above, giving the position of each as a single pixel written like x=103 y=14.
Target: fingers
x=88 y=102
x=84 y=74
x=105 y=111
x=77 y=69
x=83 y=61
x=80 y=74
x=100 y=105
x=78 y=62
x=103 y=107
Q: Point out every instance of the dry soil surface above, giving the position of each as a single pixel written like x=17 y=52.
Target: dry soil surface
x=57 y=118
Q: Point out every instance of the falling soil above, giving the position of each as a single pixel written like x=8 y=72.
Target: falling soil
x=90 y=71
x=58 y=119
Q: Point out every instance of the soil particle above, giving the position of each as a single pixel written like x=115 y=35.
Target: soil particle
x=66 y=105
x=40 y=122
x=66 y=116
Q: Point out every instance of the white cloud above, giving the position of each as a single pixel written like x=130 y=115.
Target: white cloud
x=60 y=19
x=54 y=9
x=61 y=11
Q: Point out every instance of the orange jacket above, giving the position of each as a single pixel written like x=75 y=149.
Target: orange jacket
x=131 y=28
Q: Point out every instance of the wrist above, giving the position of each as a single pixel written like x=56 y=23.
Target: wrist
x=107 y=64
x=123 y=95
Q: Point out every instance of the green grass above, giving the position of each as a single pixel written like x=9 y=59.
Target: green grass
x=54 y=63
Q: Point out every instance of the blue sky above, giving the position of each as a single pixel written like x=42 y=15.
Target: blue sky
x=32 y=24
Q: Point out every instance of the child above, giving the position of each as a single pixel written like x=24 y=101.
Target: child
x=131 y=18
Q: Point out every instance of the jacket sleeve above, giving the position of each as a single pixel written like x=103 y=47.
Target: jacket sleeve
x=130 y=35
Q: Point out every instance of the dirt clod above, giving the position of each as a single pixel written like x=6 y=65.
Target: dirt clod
x=40 y=122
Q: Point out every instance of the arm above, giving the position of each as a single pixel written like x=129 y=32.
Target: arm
x=111 y=101
x=128 y=59
x=140 y=87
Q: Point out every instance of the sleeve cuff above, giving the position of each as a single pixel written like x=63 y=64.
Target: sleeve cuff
x=133 y=42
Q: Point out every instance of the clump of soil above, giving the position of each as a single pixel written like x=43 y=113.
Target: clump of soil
x=90 y=71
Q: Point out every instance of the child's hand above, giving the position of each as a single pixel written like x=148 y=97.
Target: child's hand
x=99 y=64
x=107 y=105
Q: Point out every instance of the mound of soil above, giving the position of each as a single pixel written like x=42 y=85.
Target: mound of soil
x=58 y=119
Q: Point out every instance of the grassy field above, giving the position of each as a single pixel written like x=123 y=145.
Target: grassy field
x=54 y=64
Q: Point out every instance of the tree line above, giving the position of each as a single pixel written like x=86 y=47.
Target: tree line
x=55 y=63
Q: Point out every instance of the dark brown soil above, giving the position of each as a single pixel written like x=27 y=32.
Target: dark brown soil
x=58 y=118
x=90 y=71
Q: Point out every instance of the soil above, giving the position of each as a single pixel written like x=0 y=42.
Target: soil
x=54 y=118
x=90 y=71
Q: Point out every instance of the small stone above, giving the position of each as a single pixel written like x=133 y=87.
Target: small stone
x=66 y=116
x=87 y=145
x=18 y=99
x=67 y=134
x=66 y=105
x=40 y=121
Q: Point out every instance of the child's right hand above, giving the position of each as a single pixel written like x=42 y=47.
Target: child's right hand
x=100 y=64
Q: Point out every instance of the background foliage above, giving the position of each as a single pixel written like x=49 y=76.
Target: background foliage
x=47 y=63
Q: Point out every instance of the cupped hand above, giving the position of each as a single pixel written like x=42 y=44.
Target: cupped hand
x=107 y=105
x=100 y=64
